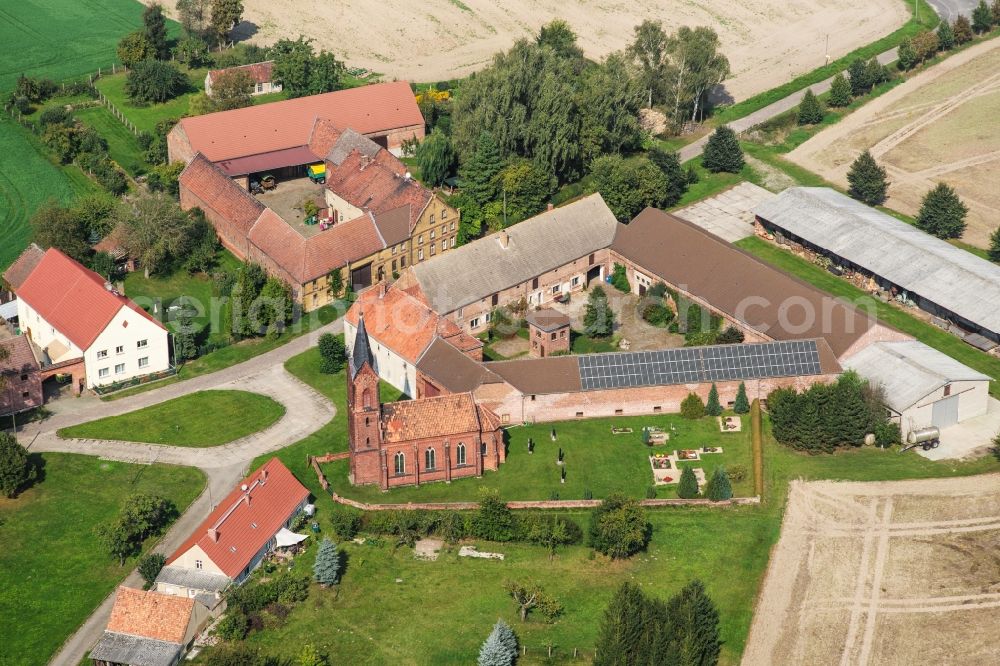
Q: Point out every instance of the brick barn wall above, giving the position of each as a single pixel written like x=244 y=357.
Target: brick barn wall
x=258 y=256
x=179 y=146
x=395 y=138
x=877 y=333
x=514 y=407
x=231 y=237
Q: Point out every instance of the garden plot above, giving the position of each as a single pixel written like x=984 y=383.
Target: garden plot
x=940 y=126
x=859 y=576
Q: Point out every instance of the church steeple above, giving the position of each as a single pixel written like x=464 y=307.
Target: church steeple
x=362 y=352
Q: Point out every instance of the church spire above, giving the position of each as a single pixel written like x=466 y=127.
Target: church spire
x=362 y=349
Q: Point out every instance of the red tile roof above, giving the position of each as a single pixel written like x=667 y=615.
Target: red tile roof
x=323 y=137
x=73 y=299
x=259 y=71
x=246 y=520
x=163 y=617
x=430 y=417
x=207 y=182
x=267 y=127
x=379 y=185
x=18 y=271
x=20 y=358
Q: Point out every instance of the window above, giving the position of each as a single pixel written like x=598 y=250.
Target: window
x=618 y=412
x=452 y=225
x=394 y=248
x=482 y=449
x=657 y=409
x=534 y=283
x=120 y=369
x=420 y=239
x=579 y=415
x=947 y=389
x=444 y=214
x=432 y=222
x=24 y=378
x=562 y=333
x=575 y=281
x=198 y=564
x=402 y=262
x=495 y=300
x=102 y=354
x=420 y=254
x=120 y=349
x=24 y=394
x=393 y=265
x=400 y=464
x=552 y=335
x=142 y=344
x=532 y=397
x=460 y=455
x=453 y=241
x=432 y=234
x=260 y=87
x=430 y=458
x=444 y=244
x=103 y=372
x=144 y=362
x=590 y=259
x=556 y=289
x=474 y=323
x=433 y=250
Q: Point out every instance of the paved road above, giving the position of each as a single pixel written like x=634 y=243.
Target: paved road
x=772 y=110
x=305 y=412
x=950 y=9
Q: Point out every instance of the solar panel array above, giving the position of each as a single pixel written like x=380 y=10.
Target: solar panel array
x=688 y=365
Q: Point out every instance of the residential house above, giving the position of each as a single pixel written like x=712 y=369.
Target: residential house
x=261 y=74
x=82 y=326
x=149 y=629
x=236 y=536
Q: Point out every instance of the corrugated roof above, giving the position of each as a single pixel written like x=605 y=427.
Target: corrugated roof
x=737 y=283
x=196 y=579
x=909 y=370
x=268 y=127
x=73 y=299
x=920 y=263
x=539 y=244
x=246 y=520
x=115 y=648
x=164 y=617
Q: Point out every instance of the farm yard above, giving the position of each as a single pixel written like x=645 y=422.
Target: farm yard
x=872 y=572
x=445 y=39
x=938 y=126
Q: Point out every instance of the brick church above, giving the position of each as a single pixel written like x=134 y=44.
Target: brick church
x=414 y=441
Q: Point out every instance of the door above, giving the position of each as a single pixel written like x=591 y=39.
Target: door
x=945 y=412
x=361 y=277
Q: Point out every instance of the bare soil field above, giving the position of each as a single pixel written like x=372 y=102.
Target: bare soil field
x=897 y=572
x=941 y=125
x=767 y=41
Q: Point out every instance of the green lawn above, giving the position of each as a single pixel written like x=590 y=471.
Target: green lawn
x=157 y=293
x=52 y=571
x=122 y=144
x=710 y=184
x=203 y=418
x=27 y=180
x=146 y=117
x=63 y=39
x=890 y=314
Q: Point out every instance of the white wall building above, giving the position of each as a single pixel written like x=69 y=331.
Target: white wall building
x=69 y=312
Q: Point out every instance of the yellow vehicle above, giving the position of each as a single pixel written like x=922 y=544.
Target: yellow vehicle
x=317 y=172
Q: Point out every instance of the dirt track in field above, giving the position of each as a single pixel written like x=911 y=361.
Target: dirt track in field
x=883 y=573
x=940 y=126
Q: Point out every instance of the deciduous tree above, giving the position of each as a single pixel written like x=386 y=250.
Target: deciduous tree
x=558 y=36
x=331 y=353
x=942 y=213
x=155 y=230
x=225 y=15
x=628 y=185
x=962 y=29
x=232 y=89
x=493 y=520
x=55 y=226
x=436 y=158
x=925 y=45
x=530 y=595
x=906 y=55
x=618 y=527
x=723 y=152
x=867 y=180
x=677 y=179
x=134 y=47
x=152 y=81
x=301 y=71
x=193 y=15
x=479 y=173
x=150 y=566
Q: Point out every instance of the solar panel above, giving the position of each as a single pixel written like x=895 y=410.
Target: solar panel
x=687 y=365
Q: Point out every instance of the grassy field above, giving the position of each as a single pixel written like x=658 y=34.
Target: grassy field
x=595 y=460
x=26 y=182
x=122 y=144
x=52 y=572
x=146 y=117
x=890 y=314
x=726 y=548
x=63 y=39
x=204 y=418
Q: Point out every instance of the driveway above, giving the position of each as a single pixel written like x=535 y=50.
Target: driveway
x=949 y=10
x=305 y=412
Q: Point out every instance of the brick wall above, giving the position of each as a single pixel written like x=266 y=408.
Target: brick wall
x=231 y=237
x=178 y=146
x=395 y=138
x=543 y=504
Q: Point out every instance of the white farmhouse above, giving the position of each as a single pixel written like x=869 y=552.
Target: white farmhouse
x=80 y=322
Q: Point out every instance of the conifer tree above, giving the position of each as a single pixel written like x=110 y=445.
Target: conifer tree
x=620 y=640
x=723 y=152
x=719 y=488
x=499 y=648
x=994 y=251
x=868 y=180
x=695 y=623
x=840 y=91
x=995 y=12
x=906 y=55
x=687 y=487
x=741 y=404
x=810 y=109
x=946 y=36
x=982 y=18
x=326 y=570
x=858 y=74
x=942 y=213
x=713 y=407
x=479 y=173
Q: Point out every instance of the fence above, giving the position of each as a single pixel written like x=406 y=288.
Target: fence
x=116 y=112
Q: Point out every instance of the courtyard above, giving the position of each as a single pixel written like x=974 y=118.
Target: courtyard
x=287 y=198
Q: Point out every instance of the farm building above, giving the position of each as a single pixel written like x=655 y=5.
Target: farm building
x=260 y=73
x=20 y=379
x=954 y=285
x=923 y=387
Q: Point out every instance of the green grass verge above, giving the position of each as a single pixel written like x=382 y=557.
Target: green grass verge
x=710 y=184
x=203 y=418
x=52 y=570
x=891 y=315
x=27 y=180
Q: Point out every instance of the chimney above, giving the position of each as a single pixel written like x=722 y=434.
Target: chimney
x=263 y=477
x=381 y=289
x=550 y=206
x=504 y=239
x=213 y=534
x=407 y=176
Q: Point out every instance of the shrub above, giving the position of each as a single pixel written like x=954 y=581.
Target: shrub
x=332 y=354
x=149 y=568
x=618 y=527
x=730 y=336
x=15 y=468
x=737 y=473
x=692 y=407
x=619 y=279
x=657 y=314
x=57 y=115
x=494 y=520
x=687 y=487
x=233 y=627
x=345 y=522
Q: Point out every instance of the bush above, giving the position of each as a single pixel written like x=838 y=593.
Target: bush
x=618 y=527
x=730 y=336
x=57 y=115
x=15 y=468
x=619 y=279
x=149 y=568
x=737 y=473
x=692 y=407
x=233 y=627
x=154 y=81
x=657 y=314
x=494 y=520
x=345 y=522
x=687 y=487
x=332 y=354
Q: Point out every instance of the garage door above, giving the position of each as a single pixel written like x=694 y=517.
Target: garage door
x=945 y=412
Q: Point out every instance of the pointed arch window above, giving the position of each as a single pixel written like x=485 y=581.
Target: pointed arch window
x=482 y=449
x=400 y=461
x=430 y=459
x=460 y=454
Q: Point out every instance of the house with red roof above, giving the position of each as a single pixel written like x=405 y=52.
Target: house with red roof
x=248 y=524
x=260 y=73
x=149 y=629
x=71 y=315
